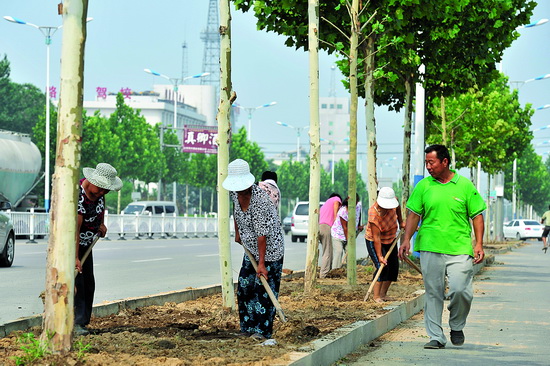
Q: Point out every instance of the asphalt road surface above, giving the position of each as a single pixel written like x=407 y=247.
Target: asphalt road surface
x=129 y=268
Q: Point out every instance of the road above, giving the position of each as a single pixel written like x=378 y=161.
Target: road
x=129 y=268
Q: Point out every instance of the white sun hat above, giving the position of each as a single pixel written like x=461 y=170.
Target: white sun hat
x=386 y=198
x=239 y=177
x=103 y=176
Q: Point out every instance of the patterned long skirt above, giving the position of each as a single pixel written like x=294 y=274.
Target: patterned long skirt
x=256 y=311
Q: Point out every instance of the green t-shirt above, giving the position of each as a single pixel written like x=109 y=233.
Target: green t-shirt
x=546 y=217
x=445 y=210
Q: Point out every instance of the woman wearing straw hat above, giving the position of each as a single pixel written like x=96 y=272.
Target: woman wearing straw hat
x=91 y=209
x=257 y=229
x=384 y=216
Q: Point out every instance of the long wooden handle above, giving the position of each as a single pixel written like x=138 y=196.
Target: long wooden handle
x=87 y=253
x=270 y=293
x=412 y=264
x=394 y=243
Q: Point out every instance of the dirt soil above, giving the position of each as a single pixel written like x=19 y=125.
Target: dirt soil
x=202 y=332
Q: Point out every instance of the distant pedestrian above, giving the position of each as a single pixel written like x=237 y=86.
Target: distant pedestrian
x=339 y=231
x=258 y=229
x=446 y=202
x=91 y=210
x=384 y=217
x=269 y=185
x=327 y=215
x=546 y=221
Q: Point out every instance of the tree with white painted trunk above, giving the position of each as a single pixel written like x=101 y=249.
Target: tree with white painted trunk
x=59 y=314
x=227 y=96
x=312 y=255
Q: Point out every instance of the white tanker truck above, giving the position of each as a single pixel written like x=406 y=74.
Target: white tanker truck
x=20 y=164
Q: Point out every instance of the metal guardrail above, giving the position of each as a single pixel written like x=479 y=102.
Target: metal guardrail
x=37 y=224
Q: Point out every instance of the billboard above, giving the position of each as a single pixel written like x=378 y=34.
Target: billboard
x=200 y=140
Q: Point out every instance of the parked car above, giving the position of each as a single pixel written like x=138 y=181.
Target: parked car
x=523 y=229
x=155 y=207
x=7 y=237
x=287 y=223
x=299 y=221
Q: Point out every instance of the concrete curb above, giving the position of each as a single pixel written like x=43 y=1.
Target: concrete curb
x=344 y=340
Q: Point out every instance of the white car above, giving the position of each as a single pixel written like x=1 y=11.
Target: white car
x=523 y=229
x=299 y=221
x=7 y=237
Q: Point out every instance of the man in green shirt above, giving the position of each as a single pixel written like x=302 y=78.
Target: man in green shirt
x=546 y=221
x=446 y=202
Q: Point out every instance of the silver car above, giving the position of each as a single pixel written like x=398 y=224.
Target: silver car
x=7 y=237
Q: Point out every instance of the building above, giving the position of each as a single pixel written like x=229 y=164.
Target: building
x=334 y=125
x=195 y=105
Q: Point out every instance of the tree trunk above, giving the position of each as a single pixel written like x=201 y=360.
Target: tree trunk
x=312 y=255
x=488 y=218
x=224 y=135
x=58 y=312
x=212 y=200
x=443 y=122
x=372 y=181
x=405 y=192
x=352 y=173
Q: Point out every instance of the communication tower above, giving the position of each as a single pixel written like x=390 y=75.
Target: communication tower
x=211 y=38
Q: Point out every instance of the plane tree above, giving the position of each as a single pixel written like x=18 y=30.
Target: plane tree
x=487 y=125
x=533 y=179
x=459 y=41
x=141 y=157
x=20 y=104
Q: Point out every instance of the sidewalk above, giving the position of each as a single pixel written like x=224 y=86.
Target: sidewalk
x=508 y=324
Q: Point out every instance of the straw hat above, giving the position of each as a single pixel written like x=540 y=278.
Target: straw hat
x=238 y=176
x=103 y=176
x=386 y=198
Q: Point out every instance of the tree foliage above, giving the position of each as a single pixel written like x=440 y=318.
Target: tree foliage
x=20 y=104
x=99 y=144
x=487 y=125
x=177 y=162
x=242 y=148
x=203 y=170
x=141 y=155
x=408 y=33
x=533 y=180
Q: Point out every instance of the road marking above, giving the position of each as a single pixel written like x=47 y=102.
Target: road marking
x=152 y=260
x=207 y=255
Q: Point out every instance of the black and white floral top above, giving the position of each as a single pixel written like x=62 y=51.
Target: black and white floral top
x=92 y=213
x=260 y=219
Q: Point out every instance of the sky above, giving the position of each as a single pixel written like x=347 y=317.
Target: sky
x=127 y=36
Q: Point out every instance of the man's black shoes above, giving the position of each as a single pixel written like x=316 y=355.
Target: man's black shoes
x=457 y=337
x=433 y=344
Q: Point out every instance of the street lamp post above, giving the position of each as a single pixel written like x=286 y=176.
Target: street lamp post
x=546 y=106
x=48 y=32
x=333 y=144
x=175 y=82
x=298 y=130
x=251 y=110
x=542 y=77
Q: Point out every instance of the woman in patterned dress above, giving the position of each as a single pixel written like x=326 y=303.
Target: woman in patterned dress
x=257 y=229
